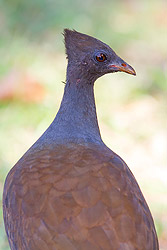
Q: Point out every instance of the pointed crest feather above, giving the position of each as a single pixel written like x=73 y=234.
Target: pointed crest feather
x=76 y=43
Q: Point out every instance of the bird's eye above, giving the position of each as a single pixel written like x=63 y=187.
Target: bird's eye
x=101 y=57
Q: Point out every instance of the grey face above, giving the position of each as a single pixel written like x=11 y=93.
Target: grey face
x=94 y=56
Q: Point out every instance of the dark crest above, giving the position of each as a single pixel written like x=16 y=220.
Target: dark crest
x=76 y=43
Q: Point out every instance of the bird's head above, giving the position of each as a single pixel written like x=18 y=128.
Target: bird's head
x=93 y=56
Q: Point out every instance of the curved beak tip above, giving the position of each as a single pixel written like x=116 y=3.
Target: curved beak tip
x=133 y=73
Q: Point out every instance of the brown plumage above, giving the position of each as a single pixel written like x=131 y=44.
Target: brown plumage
x=70 y=192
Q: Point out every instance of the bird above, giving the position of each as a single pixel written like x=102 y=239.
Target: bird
x=69 y=191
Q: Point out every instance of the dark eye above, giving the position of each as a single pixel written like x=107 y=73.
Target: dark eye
x=101 y=57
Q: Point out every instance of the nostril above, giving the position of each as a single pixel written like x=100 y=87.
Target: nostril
x=123 y=64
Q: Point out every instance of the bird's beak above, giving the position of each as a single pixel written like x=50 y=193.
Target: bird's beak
x=123 y=66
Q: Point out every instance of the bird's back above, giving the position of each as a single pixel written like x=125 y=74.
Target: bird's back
x=75 y=197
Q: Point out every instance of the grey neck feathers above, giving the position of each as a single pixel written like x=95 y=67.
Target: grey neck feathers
x=76 y=120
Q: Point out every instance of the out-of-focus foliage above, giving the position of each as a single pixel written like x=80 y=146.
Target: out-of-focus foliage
x=131 y=111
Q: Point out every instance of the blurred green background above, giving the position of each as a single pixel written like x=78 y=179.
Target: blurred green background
x=131 y=110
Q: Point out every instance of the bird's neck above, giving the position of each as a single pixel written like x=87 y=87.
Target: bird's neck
x=76 y=119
